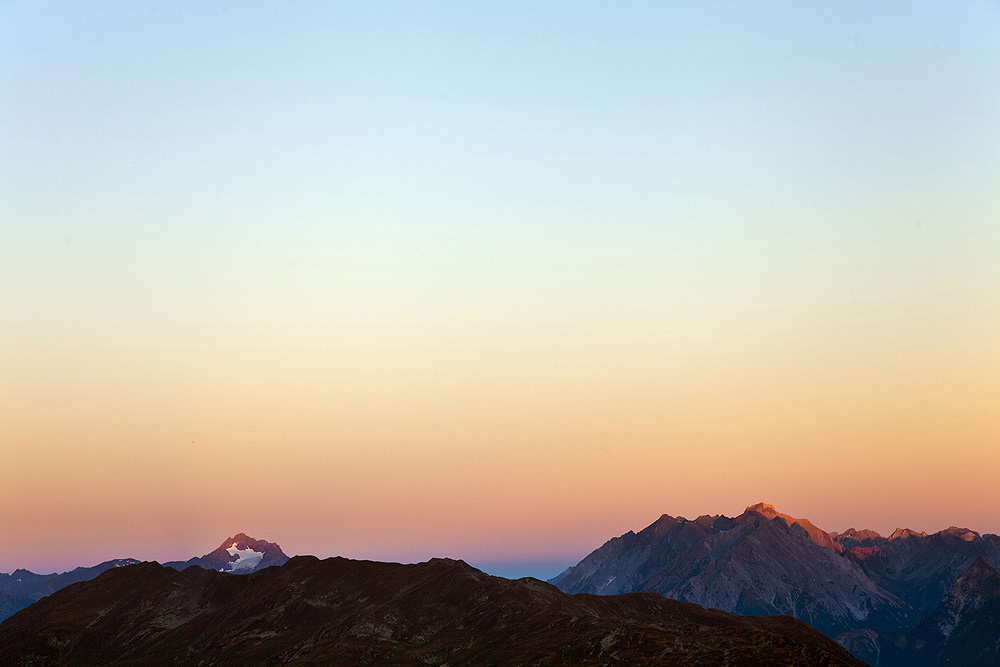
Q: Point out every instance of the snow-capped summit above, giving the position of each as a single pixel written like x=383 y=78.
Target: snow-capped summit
x=246 y=559
x=240 y=554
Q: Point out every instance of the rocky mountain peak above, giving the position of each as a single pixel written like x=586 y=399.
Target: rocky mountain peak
x=979 y=579
x=961 y=533
x=869 y=594
x=961 y=630
x=906 y=533
x=240 y=554
x=852 y=539
x=244 y=541
x=863 y=534
x=979 y=571
x=763 y=508
x=816 y=534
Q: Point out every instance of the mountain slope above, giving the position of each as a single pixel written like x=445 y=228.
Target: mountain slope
x=10 y=604
x=965 y=628
x=624 y=564
x=239 y=554
x=851 y=538
x=816 y=534
x=339 y=611
x=754 y=564
x=22 y=587
x=765 y=566
x=919 y=568
x=867 y=590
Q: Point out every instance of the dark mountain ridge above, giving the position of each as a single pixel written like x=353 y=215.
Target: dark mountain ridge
x=339 y=611
x=239 y=554
x=25 y=582
x=21 y=587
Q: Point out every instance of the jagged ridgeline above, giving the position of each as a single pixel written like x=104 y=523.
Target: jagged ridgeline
x=868 y=591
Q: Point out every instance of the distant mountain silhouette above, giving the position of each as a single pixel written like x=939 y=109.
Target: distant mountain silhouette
x=866 y=590
x=344 y=612
x=851 y=538
x=239 y=554
x=21 y=587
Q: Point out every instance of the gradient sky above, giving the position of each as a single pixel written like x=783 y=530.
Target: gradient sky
x=494 y=281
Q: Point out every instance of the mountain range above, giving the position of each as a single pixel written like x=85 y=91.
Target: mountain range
x=344 y=612
x=874 y=594
x=239 y=554
x=909 y=599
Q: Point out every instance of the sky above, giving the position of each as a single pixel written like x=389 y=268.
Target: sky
x=492 y=281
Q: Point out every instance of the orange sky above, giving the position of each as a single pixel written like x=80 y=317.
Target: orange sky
x=376 y=283
x=492 y=459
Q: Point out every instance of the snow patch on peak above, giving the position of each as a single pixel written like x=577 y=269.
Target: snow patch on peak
x=247 y=559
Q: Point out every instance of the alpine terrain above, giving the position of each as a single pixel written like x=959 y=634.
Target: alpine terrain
x=345 y=612
x=240 y=554
x=868 y=591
